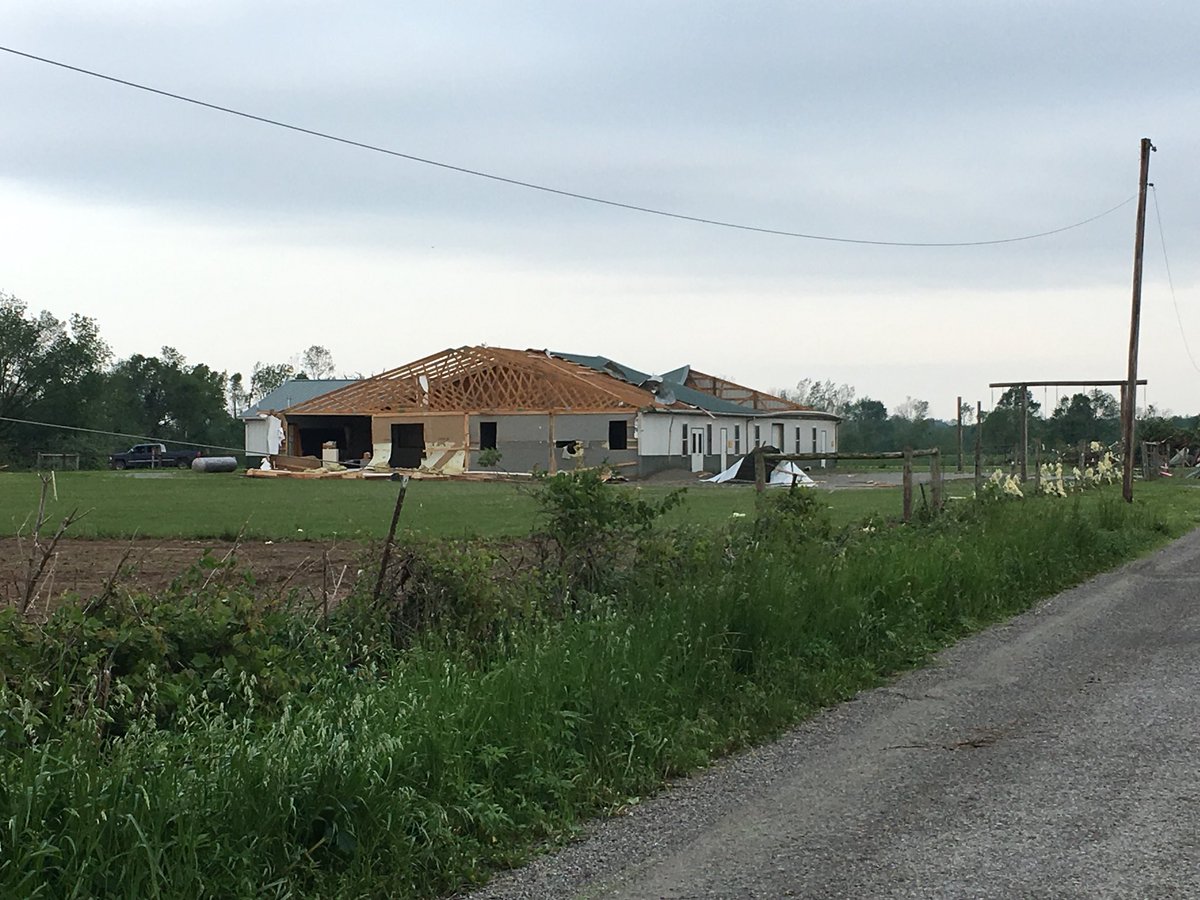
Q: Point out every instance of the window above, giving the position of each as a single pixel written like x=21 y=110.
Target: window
x=737 y=438
x=814 y=449
x=685 y=441
x=757 y=435
x=487 y=435
x=798 y=432
x=617 y=435
x=708 y=440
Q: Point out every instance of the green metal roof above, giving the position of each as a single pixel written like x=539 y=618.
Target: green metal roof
x=674 y=380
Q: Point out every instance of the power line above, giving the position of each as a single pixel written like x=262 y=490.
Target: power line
x=1170 y=282
x=362 y=145
x=136 y=437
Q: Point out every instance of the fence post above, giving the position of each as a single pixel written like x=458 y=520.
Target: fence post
x=1024 y=434
x=908 y=495
x=760 y=470
x=978 y=445
x=935 y=478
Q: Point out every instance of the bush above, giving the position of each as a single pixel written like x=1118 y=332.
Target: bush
x=593 y=529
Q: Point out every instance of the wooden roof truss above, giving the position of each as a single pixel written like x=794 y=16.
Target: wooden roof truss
x=483 y=379
x=736 y=393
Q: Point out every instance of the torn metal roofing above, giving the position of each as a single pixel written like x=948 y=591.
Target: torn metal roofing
x=687 y=386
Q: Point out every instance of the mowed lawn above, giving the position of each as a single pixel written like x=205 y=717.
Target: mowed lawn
x=192 y=505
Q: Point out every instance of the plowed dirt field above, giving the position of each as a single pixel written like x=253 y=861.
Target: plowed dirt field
x=84 y=567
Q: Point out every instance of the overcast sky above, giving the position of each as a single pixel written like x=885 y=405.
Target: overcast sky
x=236 y=242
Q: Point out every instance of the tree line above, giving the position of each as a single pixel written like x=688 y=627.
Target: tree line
x=64 y=373
x=1084 y=416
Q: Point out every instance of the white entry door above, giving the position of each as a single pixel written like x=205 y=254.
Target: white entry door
x=724 y=449
x=697 y=435
x=823 y=444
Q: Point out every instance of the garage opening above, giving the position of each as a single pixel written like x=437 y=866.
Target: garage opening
x=408 y=446
x=307 y=435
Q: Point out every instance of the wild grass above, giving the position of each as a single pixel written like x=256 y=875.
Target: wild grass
x=381 y=770
x=189 y=505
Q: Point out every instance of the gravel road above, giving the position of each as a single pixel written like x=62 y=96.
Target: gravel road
x=1056 y=755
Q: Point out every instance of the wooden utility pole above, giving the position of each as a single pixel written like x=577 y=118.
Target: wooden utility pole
x=1024 y=432
x=958 y=409
x=978 y=445
x=1130 y=406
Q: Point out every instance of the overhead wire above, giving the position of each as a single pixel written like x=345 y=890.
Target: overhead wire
x=561 y=192
x=1170 y=282
x=136 y=437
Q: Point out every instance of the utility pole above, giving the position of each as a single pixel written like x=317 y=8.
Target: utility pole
x=1024 y=432
x=1130 y=408
x=958 y=408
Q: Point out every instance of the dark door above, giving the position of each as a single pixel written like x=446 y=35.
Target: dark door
x=408 y=446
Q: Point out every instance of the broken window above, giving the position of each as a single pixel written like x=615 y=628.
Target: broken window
x=570 y=449
x=617 y=435
x=487 y=435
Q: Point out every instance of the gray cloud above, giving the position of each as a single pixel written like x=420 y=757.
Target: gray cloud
x=914 y=121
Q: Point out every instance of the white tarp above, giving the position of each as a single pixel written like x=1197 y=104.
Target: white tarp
x=784 y=474
x=274 y=435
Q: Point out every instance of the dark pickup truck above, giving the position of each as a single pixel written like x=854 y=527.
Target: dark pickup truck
x=152 y=456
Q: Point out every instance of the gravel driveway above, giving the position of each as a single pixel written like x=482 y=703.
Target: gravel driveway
x=1057 y=755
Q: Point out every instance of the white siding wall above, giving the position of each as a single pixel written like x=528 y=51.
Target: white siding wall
x=661 y=433
x=256 y=436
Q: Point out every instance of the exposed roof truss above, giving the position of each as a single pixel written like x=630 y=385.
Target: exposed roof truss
x=484 y=379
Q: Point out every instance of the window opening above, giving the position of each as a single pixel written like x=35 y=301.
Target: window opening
x=617 y=435
x=487 y=435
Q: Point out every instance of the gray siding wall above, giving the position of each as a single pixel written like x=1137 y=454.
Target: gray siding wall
x=524 y=441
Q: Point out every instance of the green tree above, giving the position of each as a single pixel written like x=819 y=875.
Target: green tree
x=163 y=397
x=265 y=378
x=911 y=425
x=239 y=395
x=317 y=362
x=1002 y=426
x=866 y=427
x=826 y=395
x=50 y=371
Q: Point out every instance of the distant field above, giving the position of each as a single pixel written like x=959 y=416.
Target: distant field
x=190 y=505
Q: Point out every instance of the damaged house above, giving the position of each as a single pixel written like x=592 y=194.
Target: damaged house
x=547 y=410
x=263 y=427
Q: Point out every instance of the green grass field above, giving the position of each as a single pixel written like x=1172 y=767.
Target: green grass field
x=190 y=505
